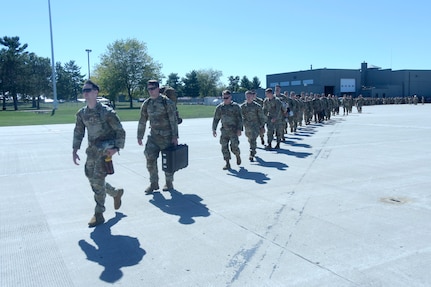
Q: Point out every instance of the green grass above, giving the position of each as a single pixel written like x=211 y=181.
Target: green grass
x=65 y=113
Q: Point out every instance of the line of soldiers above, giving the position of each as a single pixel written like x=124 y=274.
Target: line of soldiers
x=278 y=112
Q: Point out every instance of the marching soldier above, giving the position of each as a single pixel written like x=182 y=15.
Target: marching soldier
x=254 y=121
x=229 y=113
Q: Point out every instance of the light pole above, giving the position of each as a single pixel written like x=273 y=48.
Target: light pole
x=88 y=59
x=54 y=76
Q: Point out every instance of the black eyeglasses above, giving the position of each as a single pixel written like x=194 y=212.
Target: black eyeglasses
x=87 y=90
x=151 y=88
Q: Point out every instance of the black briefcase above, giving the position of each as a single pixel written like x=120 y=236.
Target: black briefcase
x=175 y=158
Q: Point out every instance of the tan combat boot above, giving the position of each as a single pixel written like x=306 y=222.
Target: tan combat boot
x=117 y=198
x=151 y=188
x=268 y=147
x=238 y=159
x=168 y=186
x=96 y=220
x=227 y=166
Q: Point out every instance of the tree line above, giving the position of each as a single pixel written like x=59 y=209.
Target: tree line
x=124 y=69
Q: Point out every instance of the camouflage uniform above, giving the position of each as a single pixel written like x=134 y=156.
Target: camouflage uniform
x=345 y=104
x=273 y=109
x=254 y=122
x=262 y=133
x=161 y=113
x=104 y=130
x=291 y=115
x=317 y=109
x=300 y=111
x=308 y=110
x=231 y=121
x=359 y=103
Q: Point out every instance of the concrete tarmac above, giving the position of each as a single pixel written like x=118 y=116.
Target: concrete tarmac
x=344 y=203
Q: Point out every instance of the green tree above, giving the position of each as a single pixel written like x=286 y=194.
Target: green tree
x=191 y=84
x=38 y=77
x=12 y=71
x=255 y=83
x=233 y=83
x=69 y=81
x=245 y=84
x=126 y=67
x=208 y=80
x=174 y=81
x=62 y=80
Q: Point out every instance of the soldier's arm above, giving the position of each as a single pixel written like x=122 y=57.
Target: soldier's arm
x=240 y=122
x=216 y=119
x=120 y=133
x=78 y=135
x=142 y=123
x=78 y=132
x=173 y=120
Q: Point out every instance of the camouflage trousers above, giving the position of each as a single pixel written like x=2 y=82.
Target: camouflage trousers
x=292 y=123
x=96 y=174
x=252 y=133
x=299 y=117
x=155 y=144
x=276 y=128
x=226 y=137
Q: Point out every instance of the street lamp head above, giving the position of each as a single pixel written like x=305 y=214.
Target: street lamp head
x=87 y=50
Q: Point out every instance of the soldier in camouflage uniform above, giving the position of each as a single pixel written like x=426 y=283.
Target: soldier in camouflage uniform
x=274 y=113
x=160 y=111
x=254 y=121
x=282 y=98
x=345 y=104
x=291 y=103
x=317 y=108
x=229 y=113
x=260 y=102
x=105 y=137
x=308 y=110
x=359 y=103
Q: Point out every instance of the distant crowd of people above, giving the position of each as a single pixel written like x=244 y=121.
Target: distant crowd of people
x=413 y=100
x=276 y=115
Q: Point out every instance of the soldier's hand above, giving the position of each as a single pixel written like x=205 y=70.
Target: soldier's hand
x=111 y=151
x=238 y=133
x=75 y=158
x=214 y=134
x=139 y=141
x=175 y=141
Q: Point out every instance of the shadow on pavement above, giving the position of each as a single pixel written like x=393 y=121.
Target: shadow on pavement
x=186 y=206
x=243 y=173
x=274 y=164
x=112 y=251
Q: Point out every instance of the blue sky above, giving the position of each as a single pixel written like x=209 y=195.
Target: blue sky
x=236 y=37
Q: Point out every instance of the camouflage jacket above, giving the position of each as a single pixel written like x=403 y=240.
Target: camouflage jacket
x=102 y=124
x=161 y=112
x=273 y=109
x=230 y=116
x=252 y=115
